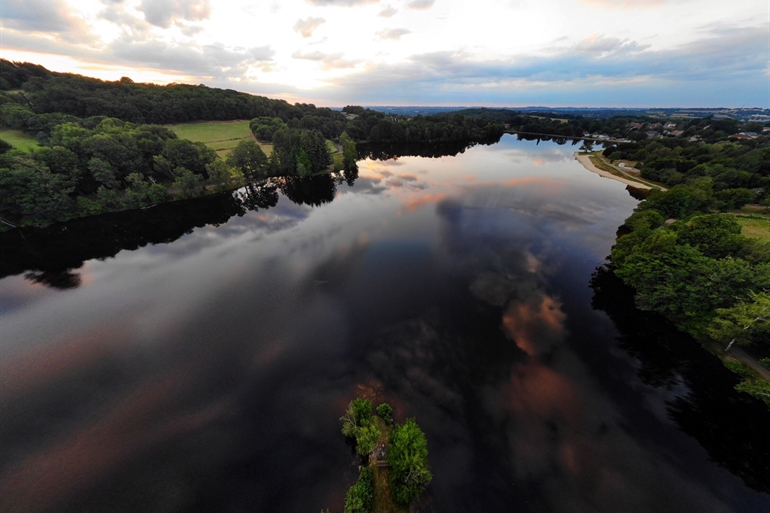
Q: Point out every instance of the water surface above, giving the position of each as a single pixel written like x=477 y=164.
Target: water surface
x=174 y=367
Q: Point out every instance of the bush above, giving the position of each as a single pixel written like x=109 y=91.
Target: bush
x=759 y=388
x=361 y=495
x=385 y=412
x=737 y=367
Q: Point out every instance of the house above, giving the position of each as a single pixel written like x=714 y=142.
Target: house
x=655 y=126
x=635 y=126
x=670 y=126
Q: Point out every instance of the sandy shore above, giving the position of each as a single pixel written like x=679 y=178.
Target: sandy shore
x=583 y=159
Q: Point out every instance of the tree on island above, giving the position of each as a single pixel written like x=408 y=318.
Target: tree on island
x=408 y=460
x=358 y=423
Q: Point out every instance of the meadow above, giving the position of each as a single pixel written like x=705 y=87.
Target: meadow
x=755 y=227
x=221 y=136
x=19 y=140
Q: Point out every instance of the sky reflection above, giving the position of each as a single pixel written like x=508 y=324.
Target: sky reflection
x=210 y=373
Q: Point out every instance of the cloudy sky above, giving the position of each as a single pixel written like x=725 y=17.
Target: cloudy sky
x=414 y=52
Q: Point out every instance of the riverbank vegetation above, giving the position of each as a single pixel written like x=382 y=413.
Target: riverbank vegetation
x=80 y=146
x=691 y=263
x=394 y=469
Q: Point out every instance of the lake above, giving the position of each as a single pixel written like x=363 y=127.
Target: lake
x=197 y=356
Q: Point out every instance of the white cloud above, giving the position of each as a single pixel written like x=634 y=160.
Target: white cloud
x=328 y=61
x=420 y=4
x=308 y=26
x=162 y=13
x=387 y=11
x=393 y=34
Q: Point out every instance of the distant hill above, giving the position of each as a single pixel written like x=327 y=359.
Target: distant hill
x=45 y=92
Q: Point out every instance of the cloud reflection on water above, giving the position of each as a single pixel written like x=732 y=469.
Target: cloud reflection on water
x=240 y=345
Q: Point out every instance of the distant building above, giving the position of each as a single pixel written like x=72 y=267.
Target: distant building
x=670 y=126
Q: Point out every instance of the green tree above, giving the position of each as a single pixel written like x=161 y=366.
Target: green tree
x=358 y=413
x=219 y=175
x=360 y=496
x=103 y=173
x=743 y=322
x=189 y=184
x=686 y=286
x=715 y=235
x=248 y=158
x=31 y=195
x=759 y=388
x=385 y=411
x=408 y=459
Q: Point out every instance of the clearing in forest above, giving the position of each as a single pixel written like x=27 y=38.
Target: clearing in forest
x=221 y=136
x=755 y=227
x=19 y=140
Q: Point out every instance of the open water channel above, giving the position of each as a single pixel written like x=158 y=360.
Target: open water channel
x=196 y=357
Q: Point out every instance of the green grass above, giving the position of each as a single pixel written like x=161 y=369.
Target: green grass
x=332 y=147
x=755 y=227
x=19 y=140
x=221 y=136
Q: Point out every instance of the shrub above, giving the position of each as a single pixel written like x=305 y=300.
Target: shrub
x=385 y=412
x=360 y=496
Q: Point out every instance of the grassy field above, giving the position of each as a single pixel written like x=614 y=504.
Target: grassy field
x=755 y=227
x=19 y=140
x=221 y=136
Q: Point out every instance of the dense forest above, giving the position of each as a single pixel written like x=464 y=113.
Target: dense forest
x=35 y=100
x=683 y=251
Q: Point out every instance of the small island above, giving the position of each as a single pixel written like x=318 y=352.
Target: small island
x=394 y=459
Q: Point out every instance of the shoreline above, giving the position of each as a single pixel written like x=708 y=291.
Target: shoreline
x=585 y=160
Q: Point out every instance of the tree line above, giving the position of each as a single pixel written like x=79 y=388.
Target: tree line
x=740 y=169
x=35 y=100
x=690 y=263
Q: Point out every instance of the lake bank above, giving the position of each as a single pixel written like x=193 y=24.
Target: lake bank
x=585 y=160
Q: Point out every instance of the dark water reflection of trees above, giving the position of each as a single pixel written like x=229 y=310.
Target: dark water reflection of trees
x=731 y=426
x=51 y=255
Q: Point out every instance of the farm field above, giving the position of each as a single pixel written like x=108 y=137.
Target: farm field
x=221 y=136
x=19 y=140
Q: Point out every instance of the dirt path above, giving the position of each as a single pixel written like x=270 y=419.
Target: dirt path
x=749 y=360
x=585 y=160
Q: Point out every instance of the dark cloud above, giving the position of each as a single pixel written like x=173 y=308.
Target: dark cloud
x=162 y=13
x=393 y=34
x=209 y=60
x=42 y=16
x=308 y=26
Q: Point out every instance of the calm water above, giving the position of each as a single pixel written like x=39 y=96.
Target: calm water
x=200 y=362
